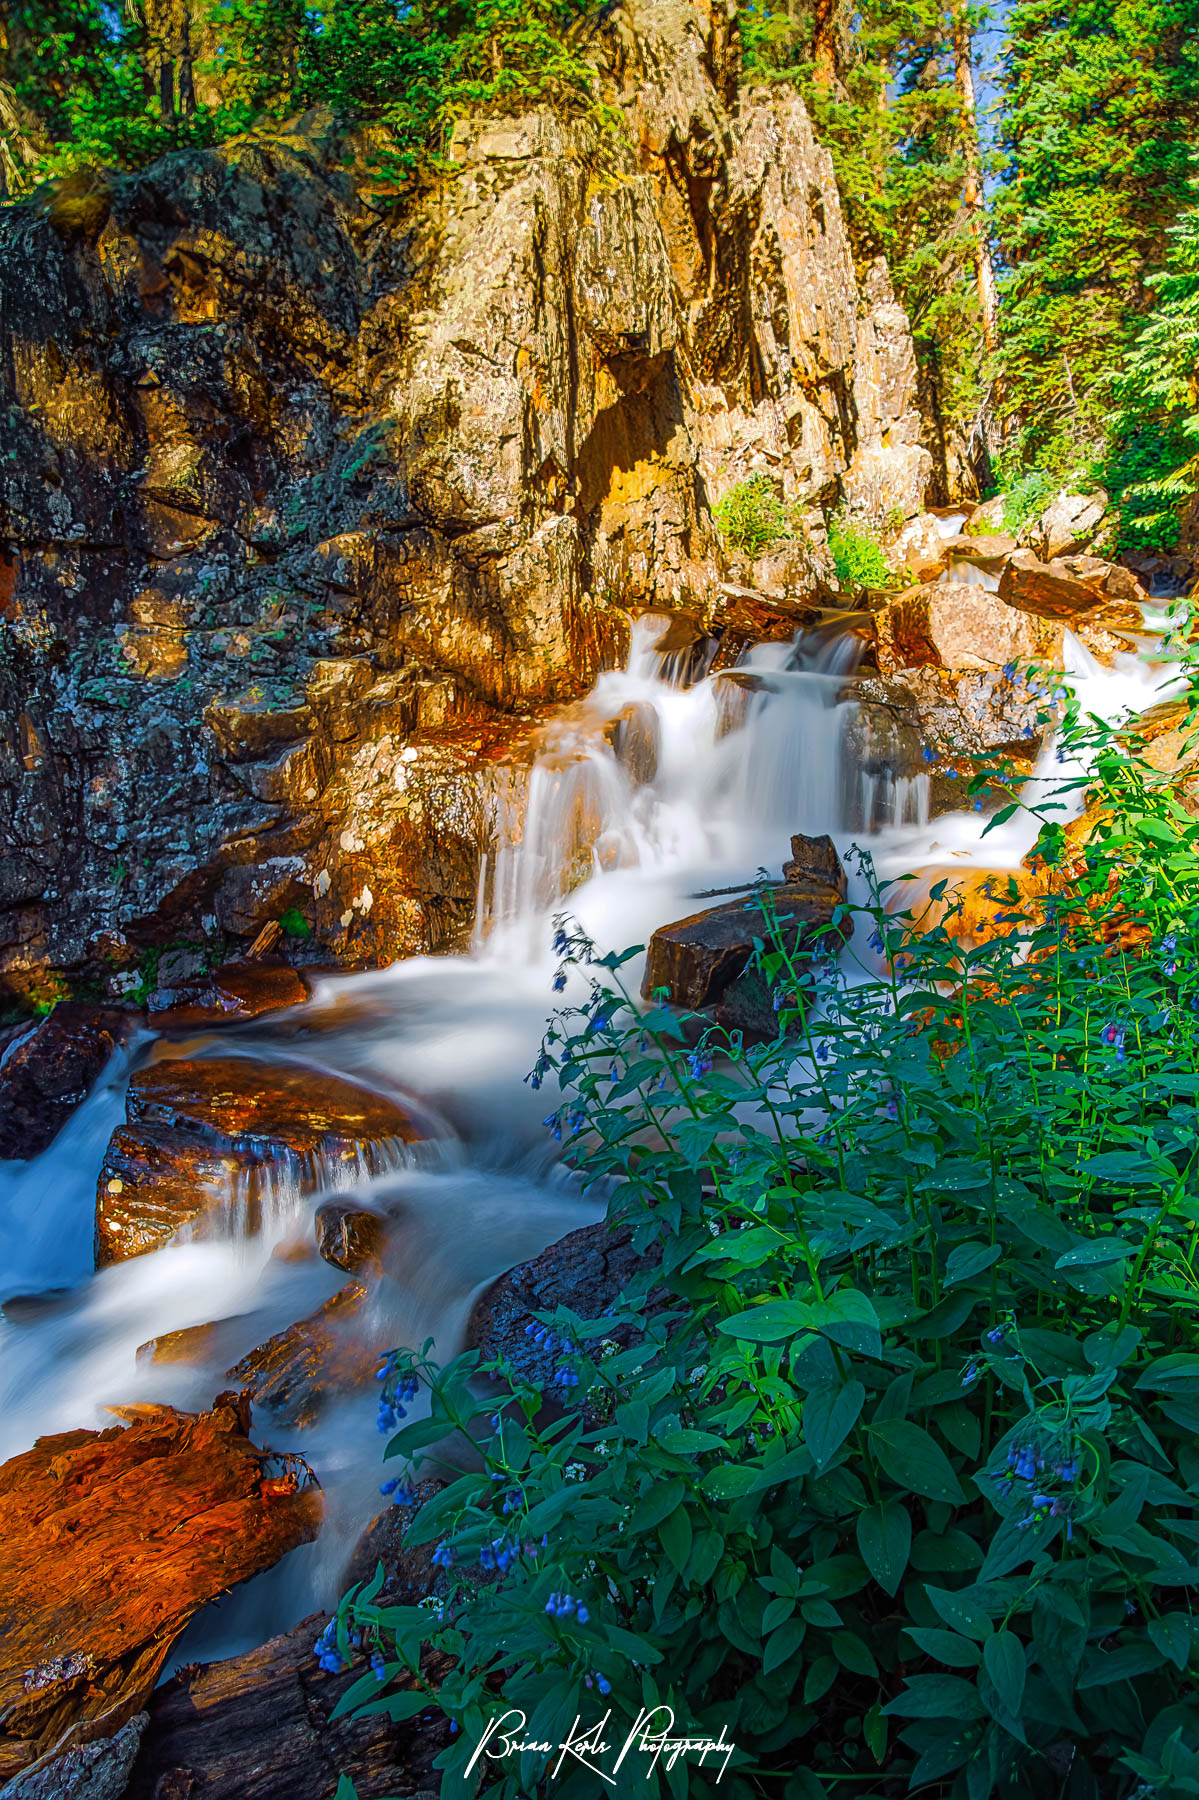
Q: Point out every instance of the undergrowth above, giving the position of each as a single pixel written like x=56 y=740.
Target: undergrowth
x=752 y=516
x=889 y=1464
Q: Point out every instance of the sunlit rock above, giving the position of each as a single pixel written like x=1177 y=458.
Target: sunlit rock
x=350 y=1237
x=110 y=1541
x=211 y=1145
x=1074 y=588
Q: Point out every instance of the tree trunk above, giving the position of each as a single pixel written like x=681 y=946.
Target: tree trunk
x=824 y=44
x=984 y=272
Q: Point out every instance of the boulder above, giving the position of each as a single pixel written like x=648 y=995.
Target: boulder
x=955 y=625
x=695 y=959
x=1068 y=523
x=1081 y=589
x=110 y=1541
x=234 y=992
x=409 y=1574
x=987 y=517
x=350 y=1237
x=259 y=1727
x=204 y=1136
x=587 y=1271
x=94 y=1771
x=51 y=1070
x=920 y=547
x=297 y=1371
x=814 y=859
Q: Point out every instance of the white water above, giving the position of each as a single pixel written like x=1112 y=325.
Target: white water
x=644 y=797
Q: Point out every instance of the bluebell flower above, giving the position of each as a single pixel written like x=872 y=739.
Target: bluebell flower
x=444 y=1556
x=378 y=1666
x=928 y=755
x=699 y=1063
x=559 y=982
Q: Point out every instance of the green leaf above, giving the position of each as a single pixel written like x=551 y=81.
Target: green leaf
x=937 y=1697
x=774 y=1322
x=914 y=1461
x=946 y=1646
x=970 y=1259
x=657 y=1504
x=829 y=1415
x=675 y=1535
x=686 y=1442
x=884 y=1534
x=961 y=1613
x=1173 y=1636
x=853 y=1654
x=345 y=1789
x=1003 y=1660
x=782 y=1644
x=1097 y=1251
x=730 y=1480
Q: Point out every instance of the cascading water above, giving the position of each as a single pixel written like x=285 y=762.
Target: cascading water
x=643 y=799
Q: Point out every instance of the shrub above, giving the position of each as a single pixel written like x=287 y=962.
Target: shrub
x=294 y=924
x=752 y=516
x=896 y=1479
x=858 y=558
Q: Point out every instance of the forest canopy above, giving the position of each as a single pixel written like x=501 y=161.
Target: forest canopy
x=1029 y=177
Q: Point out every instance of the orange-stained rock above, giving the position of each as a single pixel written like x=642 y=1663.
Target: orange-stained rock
x=977 y=905
x=191 y=1344
x=236 y=991
x=111 y=1540
x=298 y=1370
x=1073 y=588
x=952 y=625
x=204 y=1136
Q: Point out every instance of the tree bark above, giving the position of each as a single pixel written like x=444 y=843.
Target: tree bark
x=824 y=44
x=984 y=271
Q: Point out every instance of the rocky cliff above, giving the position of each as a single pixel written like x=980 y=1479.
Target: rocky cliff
x=309 y=509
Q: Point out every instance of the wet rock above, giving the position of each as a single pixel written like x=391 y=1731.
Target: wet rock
x=1076 y=588
x=814 y=859
x=988 y=552
x=190 y=1344
x=409 y=1574
x=296 y=1372
x=110 y=1541
x=275 y=441
x=350 y=1237
x=258 y=1727
x=48 y=1073
x=96 y=1771
x=696 y=959
x=952 y=625
x=234 y=992
x=207 y=1138
x=587 y=1271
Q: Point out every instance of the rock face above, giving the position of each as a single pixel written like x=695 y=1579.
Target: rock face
x=696 y=959
x=49 y=1072
x=257 y=1727
x=109 y=1542
x=1080 y=589
x=233 y=992
x=953 y=625
x=206 y=1137
x=309 y=511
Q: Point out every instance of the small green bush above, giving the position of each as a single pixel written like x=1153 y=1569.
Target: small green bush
x=294 y=924
x=858 y=558
x=889 y=1466
x=751 y=516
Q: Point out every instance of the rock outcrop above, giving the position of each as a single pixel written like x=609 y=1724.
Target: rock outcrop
x=50 y=1070
x=311 y=508
x=206 y=1139
x=109 y=1542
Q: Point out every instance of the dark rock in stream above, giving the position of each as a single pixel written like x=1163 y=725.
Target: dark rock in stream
x=696 y=959
x=299 y=1369
x=257 y=1727
x=350 y=1237
x=49 y=1073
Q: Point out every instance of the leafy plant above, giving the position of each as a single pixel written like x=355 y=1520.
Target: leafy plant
x=752 y=515
x=858 y=558
x=294 y=924
x=888 y=1463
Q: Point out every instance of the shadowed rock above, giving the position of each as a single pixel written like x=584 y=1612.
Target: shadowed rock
x=236 y=991
x=110 y=1541
x=298 y=1370
x=257 y=1727
x=51 y=1070
x=696 y=959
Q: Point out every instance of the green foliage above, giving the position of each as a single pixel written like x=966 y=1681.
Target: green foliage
x=1153 y=467
x=895 y=1477
x=752 y=516
x=408 y=72
x=858 y=558
x=294 y=924
x=1100 y=109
